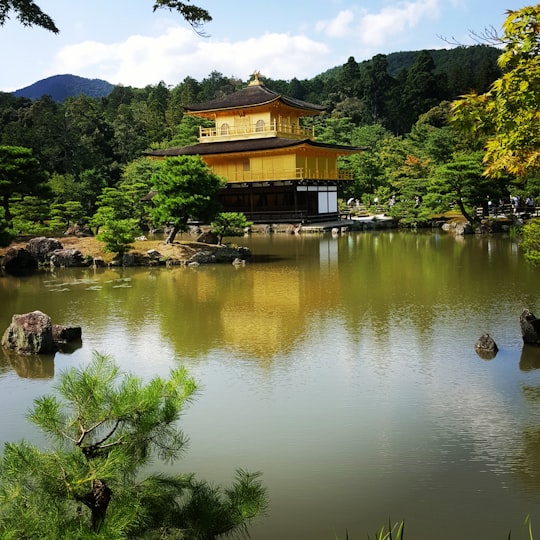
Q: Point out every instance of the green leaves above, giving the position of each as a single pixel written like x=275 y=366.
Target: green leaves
x=531 y=241
x=509 y=113
x=229 y=224
x=118 y=234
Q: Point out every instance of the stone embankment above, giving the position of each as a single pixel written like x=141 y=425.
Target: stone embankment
x=42 y=252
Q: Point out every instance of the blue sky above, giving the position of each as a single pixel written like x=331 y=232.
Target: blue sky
x=124 y=42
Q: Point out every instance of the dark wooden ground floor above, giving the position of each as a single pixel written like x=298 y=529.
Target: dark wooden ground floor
x=280 y=202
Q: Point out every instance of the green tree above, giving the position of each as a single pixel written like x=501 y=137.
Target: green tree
x=508 y=113
x=367 y=166
x=349 y=78
x=187 y=131
x=421 y=90
x=375 y=87
x=65 y=187
x=335 y=131
x=460 y=181
x=20 y=174
x=409 y=184
x=229 y=224
x=104 y=427
x=185 y=189
x=118 y=234
x=30 y=215
x=65 y=214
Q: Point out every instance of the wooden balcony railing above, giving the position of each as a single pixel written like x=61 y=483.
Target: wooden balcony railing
x=250 y=131
x=286 y=175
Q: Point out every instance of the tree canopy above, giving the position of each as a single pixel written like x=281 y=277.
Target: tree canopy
x=185 y=189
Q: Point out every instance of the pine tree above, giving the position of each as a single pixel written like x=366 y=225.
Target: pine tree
x=104 y=427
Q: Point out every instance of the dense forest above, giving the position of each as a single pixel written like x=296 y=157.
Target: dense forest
x=89 y=150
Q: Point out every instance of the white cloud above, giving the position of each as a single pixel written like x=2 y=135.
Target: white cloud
x=376 y=29
x=339 y=26
x=178 y=52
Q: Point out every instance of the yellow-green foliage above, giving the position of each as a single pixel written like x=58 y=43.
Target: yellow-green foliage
x=531 y=241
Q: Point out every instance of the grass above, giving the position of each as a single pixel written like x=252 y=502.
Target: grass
x=397 y=531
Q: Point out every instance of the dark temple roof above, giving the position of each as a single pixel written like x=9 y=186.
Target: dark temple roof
x=251 y=96
x=249 y=145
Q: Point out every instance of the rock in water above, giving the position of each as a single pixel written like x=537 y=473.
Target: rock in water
x=486 y=347
x=19 y=262
x=30 y=333
x=34 y=333
x=530 y=327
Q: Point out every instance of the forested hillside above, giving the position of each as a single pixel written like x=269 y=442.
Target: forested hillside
x=60 y=87
x=397 y=105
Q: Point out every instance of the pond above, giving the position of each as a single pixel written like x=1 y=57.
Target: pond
x=342 y=367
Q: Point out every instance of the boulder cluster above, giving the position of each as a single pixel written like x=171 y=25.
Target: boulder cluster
x=19 y=261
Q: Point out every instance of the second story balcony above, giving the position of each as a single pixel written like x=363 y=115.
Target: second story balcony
x=260 y=129
x=298 y=173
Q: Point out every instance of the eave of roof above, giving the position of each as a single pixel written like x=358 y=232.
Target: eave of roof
x=251 y=96
x=249 y=145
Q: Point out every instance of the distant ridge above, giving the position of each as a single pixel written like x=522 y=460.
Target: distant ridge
x=60 y=87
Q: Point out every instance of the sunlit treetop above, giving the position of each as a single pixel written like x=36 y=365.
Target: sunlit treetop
x=508 y=115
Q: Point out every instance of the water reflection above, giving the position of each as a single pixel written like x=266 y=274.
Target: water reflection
x=27 y=366
x=346 y=362
x=530 y=358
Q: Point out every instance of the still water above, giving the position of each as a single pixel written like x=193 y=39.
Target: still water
x=341 y=367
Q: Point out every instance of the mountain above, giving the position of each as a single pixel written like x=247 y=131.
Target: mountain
x=60 y=87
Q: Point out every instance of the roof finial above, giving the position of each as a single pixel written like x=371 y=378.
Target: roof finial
x=256 y=80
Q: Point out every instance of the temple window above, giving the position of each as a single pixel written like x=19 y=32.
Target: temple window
x=224 y=130
x=259 y=126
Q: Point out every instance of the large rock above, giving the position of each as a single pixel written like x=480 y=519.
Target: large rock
x=41 y=247
x=30 y=333
x=34 y=333
x=68 y=257
x=530 y=327
x=19 y=262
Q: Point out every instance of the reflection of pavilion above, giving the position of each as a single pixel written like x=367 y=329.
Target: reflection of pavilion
x=268 y=319
x=279 y=303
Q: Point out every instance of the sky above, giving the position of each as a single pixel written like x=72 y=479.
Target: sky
x=125 y=42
